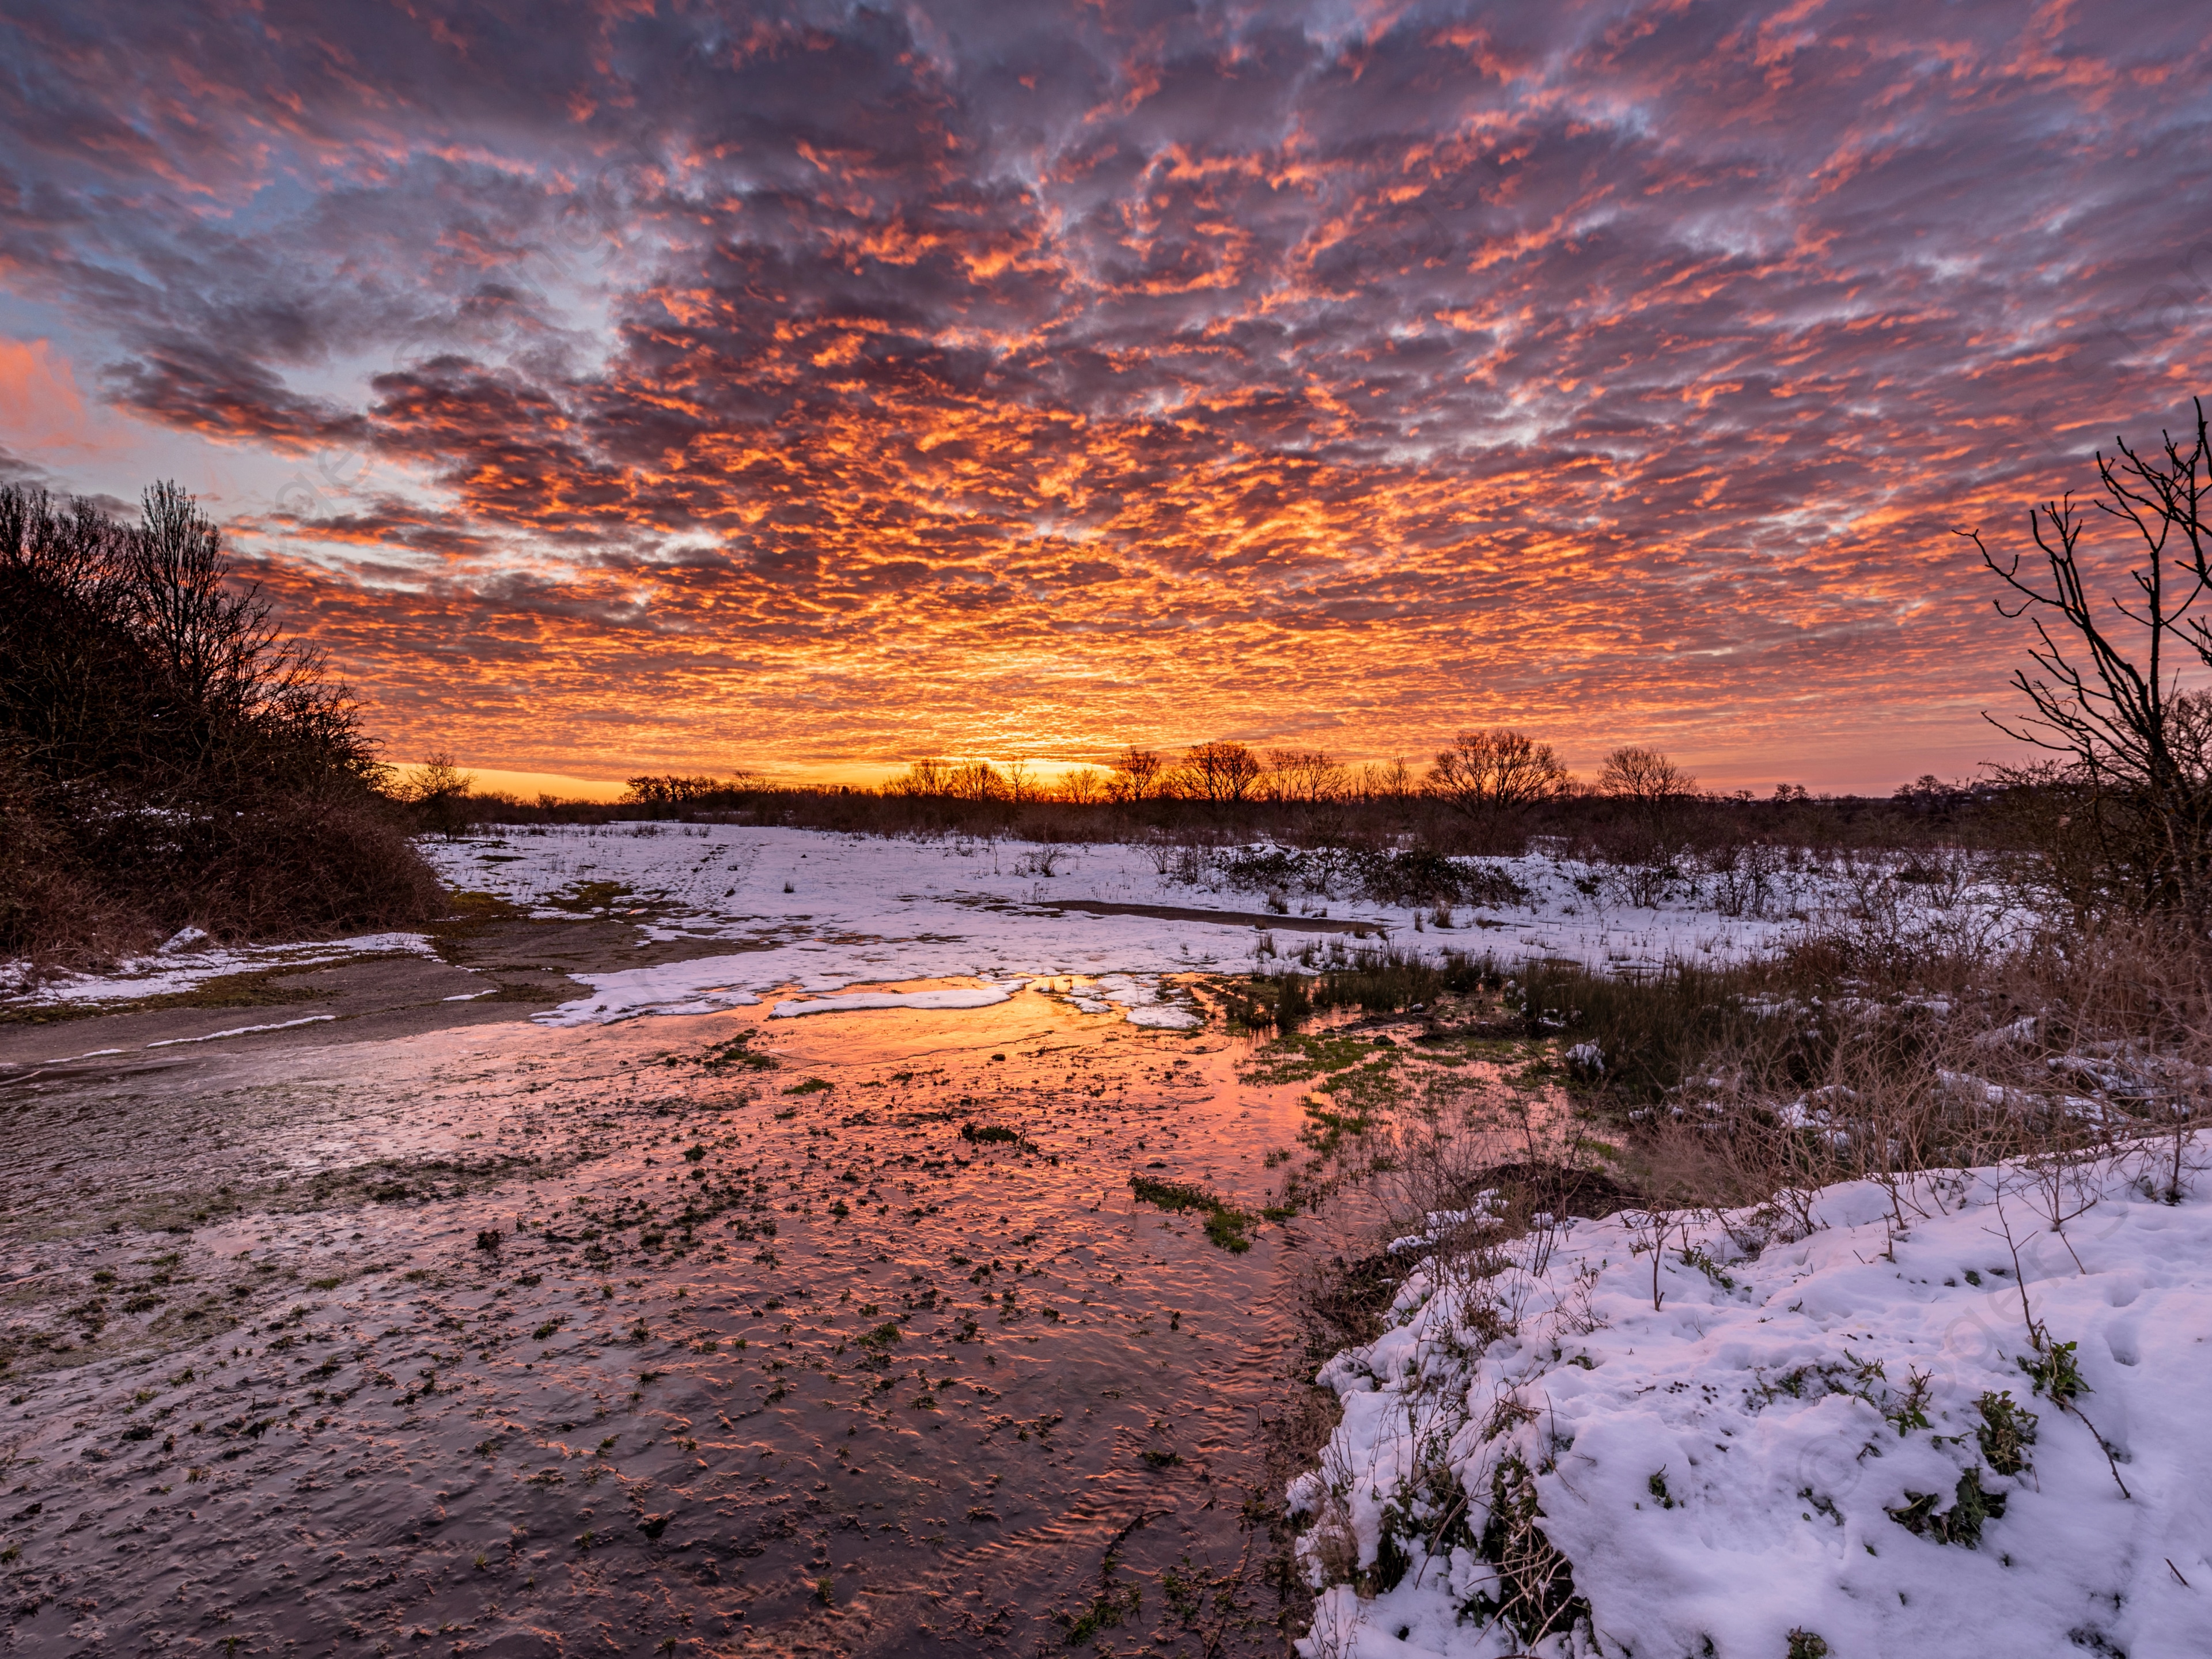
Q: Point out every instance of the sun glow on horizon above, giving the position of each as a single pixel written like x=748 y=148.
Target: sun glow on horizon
x=1242 y=376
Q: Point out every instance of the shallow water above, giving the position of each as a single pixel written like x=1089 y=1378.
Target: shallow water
x=843 y=1380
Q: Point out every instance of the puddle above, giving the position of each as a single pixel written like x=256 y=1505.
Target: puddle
x=841 y=1334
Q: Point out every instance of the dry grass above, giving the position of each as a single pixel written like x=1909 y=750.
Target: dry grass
x=2071 y=1048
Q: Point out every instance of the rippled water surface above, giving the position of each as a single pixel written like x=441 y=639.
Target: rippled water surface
x=840 y=1334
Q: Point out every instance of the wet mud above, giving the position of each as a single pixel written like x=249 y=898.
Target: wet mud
x=846 y=1335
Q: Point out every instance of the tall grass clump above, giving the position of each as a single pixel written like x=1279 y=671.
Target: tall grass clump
x=1374 y=979
x=169 y=757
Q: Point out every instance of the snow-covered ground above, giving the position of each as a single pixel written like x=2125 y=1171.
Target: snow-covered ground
x=821 y=912
x=1765 y=1464
x=192 y=959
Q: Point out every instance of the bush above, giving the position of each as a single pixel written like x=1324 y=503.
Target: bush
x=167 y=756
x=1417 y=875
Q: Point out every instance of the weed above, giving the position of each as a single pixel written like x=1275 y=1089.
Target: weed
x=1694 y=1257
x=735 y=1053
x=1971 y=1507
x=2006 y=1433
x=1227 y=1228
x=1115 y=1603
x=1536 y=1593
x=1910 y=1410
x=2054 y=1373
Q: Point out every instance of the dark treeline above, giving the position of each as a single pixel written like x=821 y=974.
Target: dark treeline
x=1478 y=799
x=168 y=757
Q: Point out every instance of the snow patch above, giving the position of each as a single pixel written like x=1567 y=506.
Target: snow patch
x=184 y=962
x=957 y=996
x=1785 y=1442
x=243 y=1030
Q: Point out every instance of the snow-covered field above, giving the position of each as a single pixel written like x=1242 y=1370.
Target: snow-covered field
x=1784 y=1456
x=821 y=912
x=818 y=913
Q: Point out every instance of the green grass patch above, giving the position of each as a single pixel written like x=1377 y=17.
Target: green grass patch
x=1227 y=1227
x=1385 y=979
x=1298 y=1056
x=734 y=1055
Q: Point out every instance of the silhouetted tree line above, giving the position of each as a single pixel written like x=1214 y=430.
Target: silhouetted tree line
x=1490 y=792
x=167 y=756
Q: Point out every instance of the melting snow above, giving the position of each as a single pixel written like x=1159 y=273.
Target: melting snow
x=1731 y=1467
x=870 y=911
x=958 y=996
x=187 y=961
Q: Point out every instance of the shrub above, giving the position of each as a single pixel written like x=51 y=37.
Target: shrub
x=167 y=756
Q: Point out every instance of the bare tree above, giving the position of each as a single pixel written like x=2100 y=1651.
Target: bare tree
x=1083 y=785
x=1484 y=772
x=1220 y=771
x=1303 y=776
x=1389 y=781
x=930 y=776
x=672 y=791
x=1137 y=773
x=2103 y=693
x=167 y=753
x=440 y=792
x=1655 y=791
x=1644 y=776
x=977 y=779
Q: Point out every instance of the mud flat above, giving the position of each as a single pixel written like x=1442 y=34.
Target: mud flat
x=845 y=1334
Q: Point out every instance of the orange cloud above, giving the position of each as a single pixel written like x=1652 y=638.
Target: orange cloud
x=817 y=388
x=41 y=409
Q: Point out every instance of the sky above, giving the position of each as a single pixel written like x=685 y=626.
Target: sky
x=805 y=388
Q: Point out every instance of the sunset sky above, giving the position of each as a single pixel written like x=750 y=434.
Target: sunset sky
x=621 y=387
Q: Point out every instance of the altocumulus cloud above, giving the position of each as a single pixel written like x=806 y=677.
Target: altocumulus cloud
x=828 y=381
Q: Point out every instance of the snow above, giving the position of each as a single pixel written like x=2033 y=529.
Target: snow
x=817 y=912
x=187 y=961
x=1165 y=1019
x=1725 y=1469
x=961 y=996
x=865 y=911
x=245 y=1031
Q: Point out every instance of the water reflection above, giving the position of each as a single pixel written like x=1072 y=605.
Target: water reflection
x=842 y=1334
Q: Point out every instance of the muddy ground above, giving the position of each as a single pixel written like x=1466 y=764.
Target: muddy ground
x=845 y=1334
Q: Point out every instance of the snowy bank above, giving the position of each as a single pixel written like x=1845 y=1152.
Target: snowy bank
x=191 y=959
x=1841 y=1440
x=822 y=912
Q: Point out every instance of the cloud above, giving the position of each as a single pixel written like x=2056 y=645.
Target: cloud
x=41 y=407
x=863 y=383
